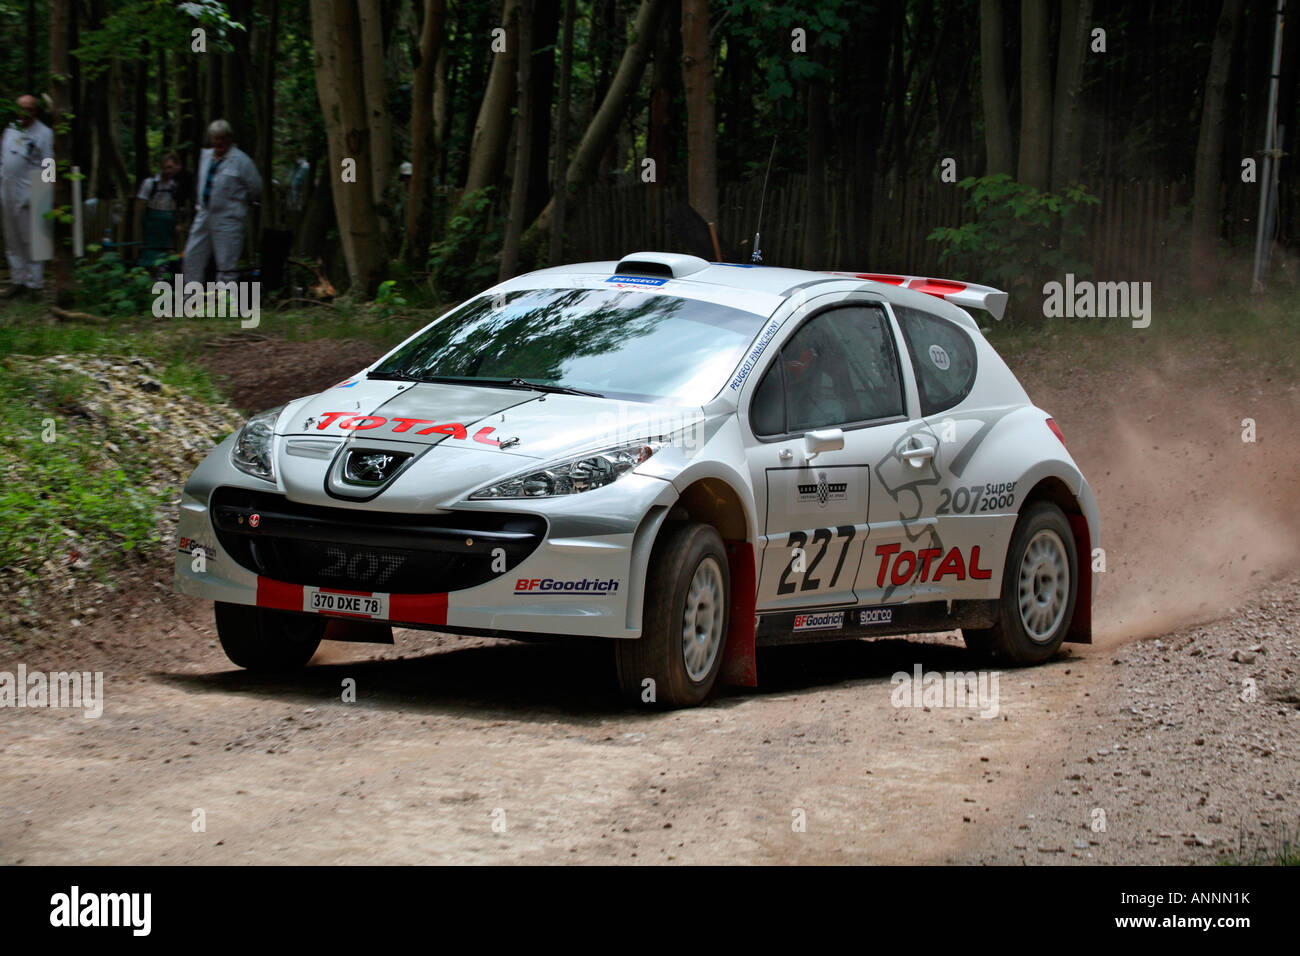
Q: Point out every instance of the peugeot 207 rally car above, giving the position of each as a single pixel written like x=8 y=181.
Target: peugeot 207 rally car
x=689 y=459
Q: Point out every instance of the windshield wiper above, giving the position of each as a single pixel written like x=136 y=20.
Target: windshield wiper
x=552 y=389
x=392 y=376
x=486 y=382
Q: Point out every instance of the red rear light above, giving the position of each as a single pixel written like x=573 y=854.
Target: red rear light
x=1056 y=429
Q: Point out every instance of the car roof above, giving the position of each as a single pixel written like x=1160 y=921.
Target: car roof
x=774 y=284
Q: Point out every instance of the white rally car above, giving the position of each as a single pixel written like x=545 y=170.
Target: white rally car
x=689 y=458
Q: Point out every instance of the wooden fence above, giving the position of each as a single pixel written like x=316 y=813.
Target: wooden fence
x=1138 y=230
x=1131 y=233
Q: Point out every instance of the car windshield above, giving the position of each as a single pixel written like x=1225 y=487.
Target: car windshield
x=618 y=343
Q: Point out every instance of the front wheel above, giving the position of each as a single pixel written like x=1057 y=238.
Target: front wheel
x=675 y=661
x=1040 y=582
x=262 y=640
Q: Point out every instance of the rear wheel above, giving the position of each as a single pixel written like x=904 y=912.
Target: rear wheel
x=268 y=641
x=675 y=661
x=1039 y=587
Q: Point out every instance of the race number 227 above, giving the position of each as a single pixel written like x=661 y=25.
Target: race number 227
x=799 y=549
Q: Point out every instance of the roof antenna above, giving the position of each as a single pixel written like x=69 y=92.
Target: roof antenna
x=757 y=257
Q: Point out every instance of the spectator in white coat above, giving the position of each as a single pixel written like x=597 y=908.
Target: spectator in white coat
x=228 y=182
x=23 y=149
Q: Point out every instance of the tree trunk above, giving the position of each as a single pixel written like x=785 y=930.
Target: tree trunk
x=894 y=132
x=235 y=79
x=441 y=116
x=422 y=140
x=665 y=81
x=545 y=32
x=376 y=109
x=523 y=147
x=140 y=159
x=993 y=86
x=600 y=132
x=560 y=161
x=164 y=104
x=114 y=179
x=266 y=126
x=190 y=126
x=60 y=27
x=814 y=233
x=701 y=127
x=1035 y=166
x=339 y=85
x=30 y=75
x=1209 y=149
x=1076 y=15
x=492 y=128
x=212 y=104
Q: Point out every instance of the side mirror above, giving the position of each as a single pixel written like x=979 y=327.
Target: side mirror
x=824 y=439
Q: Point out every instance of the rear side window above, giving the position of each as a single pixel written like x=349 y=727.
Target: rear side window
x=943 y=358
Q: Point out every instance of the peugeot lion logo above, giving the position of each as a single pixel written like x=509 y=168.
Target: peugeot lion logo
x=372 y=467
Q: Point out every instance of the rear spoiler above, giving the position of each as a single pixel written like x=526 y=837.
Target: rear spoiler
x=964 y=294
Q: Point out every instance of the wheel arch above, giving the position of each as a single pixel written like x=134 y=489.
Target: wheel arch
x=713 y=500
x=1055 y=490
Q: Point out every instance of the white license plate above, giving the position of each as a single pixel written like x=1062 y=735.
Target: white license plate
x=351 y=603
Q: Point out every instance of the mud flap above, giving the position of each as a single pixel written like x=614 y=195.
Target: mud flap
x=739 y=661
x=1080 y=631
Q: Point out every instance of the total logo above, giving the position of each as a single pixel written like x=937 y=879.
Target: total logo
x=902 y=565
x=400 y=426
x=825 y=621
x=594 y=586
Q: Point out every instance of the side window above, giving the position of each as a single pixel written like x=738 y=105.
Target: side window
x=767 y=410
x=840 y=368
x=943 y=357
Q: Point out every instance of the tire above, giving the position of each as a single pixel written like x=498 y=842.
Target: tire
x=267 y=641
x=1042 y=559
x=688 y=587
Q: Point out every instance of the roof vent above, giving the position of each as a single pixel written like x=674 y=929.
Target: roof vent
x=668 y=265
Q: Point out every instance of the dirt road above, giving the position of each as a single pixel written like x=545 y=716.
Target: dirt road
x=465 y=750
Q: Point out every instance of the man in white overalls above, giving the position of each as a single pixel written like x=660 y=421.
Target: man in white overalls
x=228 y=182
x=23 y=149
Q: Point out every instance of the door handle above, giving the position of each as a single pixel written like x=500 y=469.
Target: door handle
x=915 y=456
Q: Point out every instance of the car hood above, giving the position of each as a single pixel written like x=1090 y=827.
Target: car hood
x=518 y=422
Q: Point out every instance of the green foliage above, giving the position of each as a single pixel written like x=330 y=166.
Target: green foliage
x=111 y=286
x=462 y=262
x=756 y=22
x=71 y=484
x=157 y=23
x=1280 y=850
x=388 y=300
x=1018 y=235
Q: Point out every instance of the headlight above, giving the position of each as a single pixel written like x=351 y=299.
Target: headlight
x=252 y=451
x=594 y=470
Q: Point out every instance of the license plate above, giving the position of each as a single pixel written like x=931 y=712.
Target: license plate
x=350 y=603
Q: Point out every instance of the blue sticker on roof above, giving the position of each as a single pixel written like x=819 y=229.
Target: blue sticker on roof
x=636 y=280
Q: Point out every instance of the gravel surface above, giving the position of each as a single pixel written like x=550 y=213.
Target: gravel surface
x=1182 y=749
x=472 y=750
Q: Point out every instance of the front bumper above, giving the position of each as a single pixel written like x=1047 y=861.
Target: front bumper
x=560 y=569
